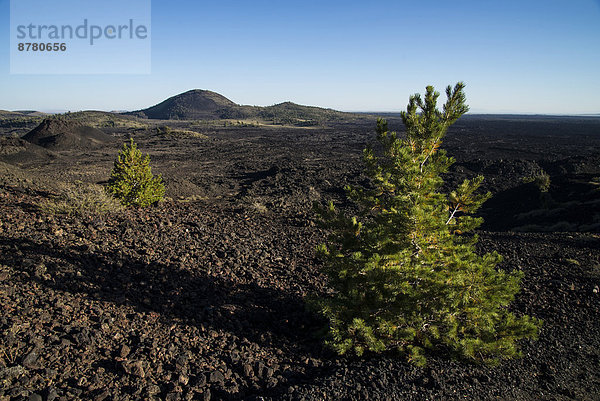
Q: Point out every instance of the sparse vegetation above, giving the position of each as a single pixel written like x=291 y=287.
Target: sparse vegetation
x=259 y=207
x=168 y=131
x=541 y=180
x=131 y=179
x=81 y=199
x=404 y=271
x=164 y=130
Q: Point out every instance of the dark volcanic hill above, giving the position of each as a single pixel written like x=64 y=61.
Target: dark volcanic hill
x=64 y=135
x=18 y=151
x=203 y=104
x=193 y=104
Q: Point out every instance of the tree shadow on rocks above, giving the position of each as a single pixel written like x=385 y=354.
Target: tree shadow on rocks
x=266 y=316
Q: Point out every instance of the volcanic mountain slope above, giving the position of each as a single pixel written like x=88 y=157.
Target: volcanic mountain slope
x=203 y=104
x=193 y=104
x=18 y=151
x=60 y=134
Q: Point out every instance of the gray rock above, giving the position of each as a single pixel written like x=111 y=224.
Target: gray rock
x=31 y=360
x=217 y=377
x=248 y=371
x=52 y=395
x=102 y=396
x=152 y=389
x=173 y=397
x=124 y=351
x=183 y=379
x=135 y=368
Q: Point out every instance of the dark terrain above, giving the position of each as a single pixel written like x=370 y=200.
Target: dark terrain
x=202 y=296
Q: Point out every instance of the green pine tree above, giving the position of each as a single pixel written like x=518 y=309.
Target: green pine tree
x=131 y=180
x=404 y=270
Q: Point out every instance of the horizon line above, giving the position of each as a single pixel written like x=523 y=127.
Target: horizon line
x=495 y=113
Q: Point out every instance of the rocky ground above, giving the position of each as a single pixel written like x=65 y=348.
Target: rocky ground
x=202 y=297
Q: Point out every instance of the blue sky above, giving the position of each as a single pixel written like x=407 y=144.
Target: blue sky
x=514 y=56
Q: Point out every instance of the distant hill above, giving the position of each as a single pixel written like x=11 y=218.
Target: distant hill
x=9 y=114
x=203 y=104
x=32 y=113
x=104 y=119
x=60 y=134
x=18 y=123
x=192 y=105
x=288 y=112
x=21 y=113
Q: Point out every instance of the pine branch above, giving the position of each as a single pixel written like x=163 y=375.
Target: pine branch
x=453 y=213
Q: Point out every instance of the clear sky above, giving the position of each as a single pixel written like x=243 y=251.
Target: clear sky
x=527 y=56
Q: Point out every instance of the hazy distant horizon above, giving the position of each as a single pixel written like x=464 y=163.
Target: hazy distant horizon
x=389 y=111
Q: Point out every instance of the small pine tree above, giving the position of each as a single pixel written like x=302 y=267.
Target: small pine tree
x=131 y=180
x=404 y=271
